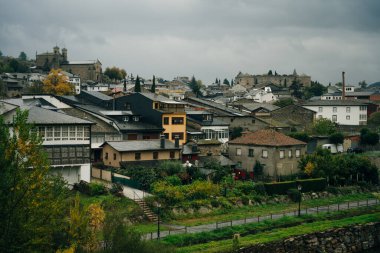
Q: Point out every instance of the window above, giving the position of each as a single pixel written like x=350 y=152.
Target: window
x=180 y=135
x=166 y=120
x=207 y=117
x=114 y=156
x=250 y=152
x=282 y=153
x=127 y=106
x=298 y=153
x=137 y=156
x=57 y=133
x=72 y=132
x=334 y=118
x=238 y=151
x=155 y=155
x=65 y=133
x=172 y=154
x=177 y=120
x=348 y=117
x=125 y=118
x=79 y=132
x=155 y=105
x=348 y=109
x=41 y=131
x=320 y=109
x=166 y=136
x=49 y=133
x=265 y=154
x=86 y=133
x=335 y=109
x=106 y=156
x=363 y=108
x=136 y=118
x=290 y=154
x=363 y=117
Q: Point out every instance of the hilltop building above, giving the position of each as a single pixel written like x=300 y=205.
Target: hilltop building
x=86 y=70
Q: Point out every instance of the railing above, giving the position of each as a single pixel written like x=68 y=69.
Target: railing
x=258 y=219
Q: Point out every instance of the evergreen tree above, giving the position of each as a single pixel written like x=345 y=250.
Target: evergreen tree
x=137 y=84
x=270 y=73
x=22 y=56
x=194 y=86
x=225 y=81
x=216 y=80
x=232 y=82
x=153 y=88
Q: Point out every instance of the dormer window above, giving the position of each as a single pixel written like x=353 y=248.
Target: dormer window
x=127 y=106
x=136 y=118
x=125 y=118
x=207 y=117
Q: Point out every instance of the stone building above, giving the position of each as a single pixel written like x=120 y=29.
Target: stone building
x=278 y=153
x=86 y=70
x=259 y=81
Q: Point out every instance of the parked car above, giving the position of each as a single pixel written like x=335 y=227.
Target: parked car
x=334 y=149
x=355 y=150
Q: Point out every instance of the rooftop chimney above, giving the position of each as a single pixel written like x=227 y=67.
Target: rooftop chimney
x=343 y=87
x=162 y=141
x=176 y=141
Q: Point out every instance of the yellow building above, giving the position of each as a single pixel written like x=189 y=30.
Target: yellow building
x=140 y=152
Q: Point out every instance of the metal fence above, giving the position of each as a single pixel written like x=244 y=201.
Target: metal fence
x=271 y=216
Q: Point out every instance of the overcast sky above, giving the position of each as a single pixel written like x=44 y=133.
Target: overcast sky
x=204 y=38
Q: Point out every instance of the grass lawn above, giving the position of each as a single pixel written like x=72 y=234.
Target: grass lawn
x=281 y=233
x=253 y=211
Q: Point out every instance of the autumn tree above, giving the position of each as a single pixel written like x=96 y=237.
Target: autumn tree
x=32 y=202
x=115 y=73
x=57 y=83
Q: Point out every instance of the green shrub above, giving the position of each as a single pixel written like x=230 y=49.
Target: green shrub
x=246 y=188
x=259 y=188
x=294 y=195
x=214 y=203
x=117 y=189
x=173 y=180
x=281 y=188
x=245 y=200
x=96 y=189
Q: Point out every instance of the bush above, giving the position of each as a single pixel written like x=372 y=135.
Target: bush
x=96 y=189
x=281 y=188
x=245 y=200
x=117 y=189
x=259 y=188
x=245 y=187
x=173 y=180
x=294 y=195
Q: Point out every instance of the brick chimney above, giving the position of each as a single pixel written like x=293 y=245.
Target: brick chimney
x=343 y=87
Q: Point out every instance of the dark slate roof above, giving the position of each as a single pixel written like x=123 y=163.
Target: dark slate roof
x=41 y=116
x=214 y=122
x=140 y=145
x=224 y=161
x=159 y=98
x=211 y=105
x=100 y=126
x=344 y=102
x=97 y=95
x=138 y=126
x=255 y=106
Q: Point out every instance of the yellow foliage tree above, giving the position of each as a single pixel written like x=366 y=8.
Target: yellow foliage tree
x=309 y=168
x=57 y=83
x=96 y=220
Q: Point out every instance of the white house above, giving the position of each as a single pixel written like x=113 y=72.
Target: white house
x=66 y=139
x=261 y=95
x=343 y=112
x=74 y=80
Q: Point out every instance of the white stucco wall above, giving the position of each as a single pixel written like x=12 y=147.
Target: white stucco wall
x=344 y=116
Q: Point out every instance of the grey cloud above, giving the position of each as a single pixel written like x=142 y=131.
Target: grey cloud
x=207 y=38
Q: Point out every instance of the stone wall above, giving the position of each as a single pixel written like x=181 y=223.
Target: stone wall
x=348 y=239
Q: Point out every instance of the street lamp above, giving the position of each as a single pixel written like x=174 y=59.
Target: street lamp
x=158 y=220
x=299 y=187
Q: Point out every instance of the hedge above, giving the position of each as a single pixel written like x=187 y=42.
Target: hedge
x=308 y=185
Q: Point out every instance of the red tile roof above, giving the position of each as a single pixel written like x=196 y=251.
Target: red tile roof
x=266 y=137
